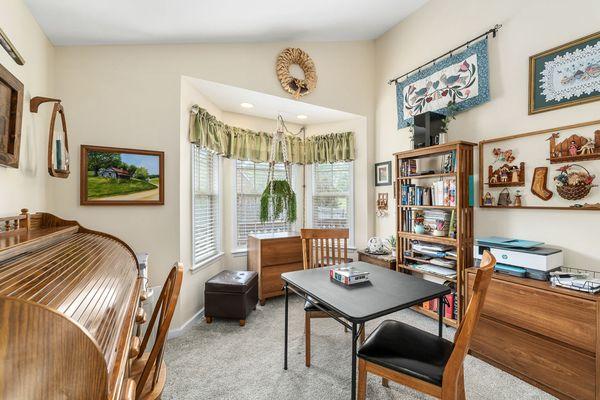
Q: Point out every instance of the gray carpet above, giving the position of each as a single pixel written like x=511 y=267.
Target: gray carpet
x=225 y=361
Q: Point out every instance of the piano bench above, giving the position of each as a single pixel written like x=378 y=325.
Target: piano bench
x=231 y=294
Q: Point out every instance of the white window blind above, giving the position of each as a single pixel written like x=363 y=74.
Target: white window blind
x=251 y=180
x=205 y=204
x=332 y=195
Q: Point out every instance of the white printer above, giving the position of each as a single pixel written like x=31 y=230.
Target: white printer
x=520 y=257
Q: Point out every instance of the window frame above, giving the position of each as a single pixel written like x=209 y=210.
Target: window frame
x=238 y=251
x=310 y=202
x=217 y=170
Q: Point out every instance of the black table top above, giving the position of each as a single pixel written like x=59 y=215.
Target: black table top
x=386 y=291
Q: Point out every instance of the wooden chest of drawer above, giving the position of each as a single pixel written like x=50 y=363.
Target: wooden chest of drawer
x=270 y=255
x=542 y=334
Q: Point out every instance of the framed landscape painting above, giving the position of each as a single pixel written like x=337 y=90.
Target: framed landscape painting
x=566 y=75
x=115 y=176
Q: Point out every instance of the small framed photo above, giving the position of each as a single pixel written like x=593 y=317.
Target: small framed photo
x=383 y=173
x=565 y=76
x=115 y=176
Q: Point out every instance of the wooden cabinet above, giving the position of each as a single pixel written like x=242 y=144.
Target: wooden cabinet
x=544 y=335
x=270 y=255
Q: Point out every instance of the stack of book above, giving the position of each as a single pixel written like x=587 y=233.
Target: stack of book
x=348 y=275
x=432 y=217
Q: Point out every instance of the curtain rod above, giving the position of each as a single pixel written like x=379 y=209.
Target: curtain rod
x=492 y=31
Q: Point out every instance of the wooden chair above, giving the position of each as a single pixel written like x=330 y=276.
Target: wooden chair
x=421 y=360
x=149 y=369
x=322 y=248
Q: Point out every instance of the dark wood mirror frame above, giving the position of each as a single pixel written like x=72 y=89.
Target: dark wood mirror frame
x=11 y=113
x=34 y=105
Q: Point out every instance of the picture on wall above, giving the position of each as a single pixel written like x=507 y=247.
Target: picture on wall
x=115 y=176
x=11 y=112
x=566 y=75
x=383 y=173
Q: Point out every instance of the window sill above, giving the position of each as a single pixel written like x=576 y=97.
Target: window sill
x=206 y=262
x=239 y=253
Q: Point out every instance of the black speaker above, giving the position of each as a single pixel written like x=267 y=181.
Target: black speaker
x=427 y=129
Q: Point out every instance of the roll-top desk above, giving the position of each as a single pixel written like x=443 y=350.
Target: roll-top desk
x=69 y=303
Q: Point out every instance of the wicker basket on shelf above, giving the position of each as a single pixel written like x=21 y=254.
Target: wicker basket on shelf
x=574 y=182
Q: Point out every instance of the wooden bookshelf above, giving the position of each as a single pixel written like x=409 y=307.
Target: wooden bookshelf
x=463 y=209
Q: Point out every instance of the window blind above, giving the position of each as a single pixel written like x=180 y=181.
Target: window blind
x=332 y=195
x=251 y=180
x=205 y=204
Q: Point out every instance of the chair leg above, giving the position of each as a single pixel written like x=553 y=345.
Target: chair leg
x=307 y=337
x=362 y=334
x=385 y=382
x=362 y=379
x=460 y=387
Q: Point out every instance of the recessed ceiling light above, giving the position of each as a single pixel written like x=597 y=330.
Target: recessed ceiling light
x=247 y=105
x=302 y=116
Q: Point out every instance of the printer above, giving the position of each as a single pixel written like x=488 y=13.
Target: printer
x=520 y=257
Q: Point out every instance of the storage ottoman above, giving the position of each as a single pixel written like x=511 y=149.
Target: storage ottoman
x=231 y=294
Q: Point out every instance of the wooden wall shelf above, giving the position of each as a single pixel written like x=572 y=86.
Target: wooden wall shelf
x=463 y=243
x=553 y=160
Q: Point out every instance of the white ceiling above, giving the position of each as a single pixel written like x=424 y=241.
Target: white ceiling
x=228 y=98
x=83 y=22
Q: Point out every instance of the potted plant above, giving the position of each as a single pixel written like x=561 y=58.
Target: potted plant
x=392 y=244
x=281 y=199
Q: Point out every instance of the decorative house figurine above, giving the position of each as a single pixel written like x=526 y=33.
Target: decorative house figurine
x=488 y=199
x=507 y=175
x=574 y=148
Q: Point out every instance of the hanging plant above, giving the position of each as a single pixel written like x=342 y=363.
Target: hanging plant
x=279 y=195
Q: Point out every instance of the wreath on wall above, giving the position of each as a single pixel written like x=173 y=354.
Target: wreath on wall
x=296 y=86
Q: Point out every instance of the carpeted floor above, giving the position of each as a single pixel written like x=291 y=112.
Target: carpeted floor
x=225 y=361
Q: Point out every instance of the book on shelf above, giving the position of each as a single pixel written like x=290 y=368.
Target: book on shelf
x=439 y=193
x=434 y=269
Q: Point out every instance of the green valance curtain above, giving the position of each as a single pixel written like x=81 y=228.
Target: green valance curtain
x=245 y=144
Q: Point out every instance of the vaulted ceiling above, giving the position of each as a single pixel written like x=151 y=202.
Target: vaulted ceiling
x=82 y=22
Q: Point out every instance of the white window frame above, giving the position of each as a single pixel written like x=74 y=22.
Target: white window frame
x=309 y=202
x=217 y=169
x=238 y=251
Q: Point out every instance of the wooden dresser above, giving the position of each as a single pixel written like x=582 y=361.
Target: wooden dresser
x=547 y=336
x=69 y=303
x=270 y=255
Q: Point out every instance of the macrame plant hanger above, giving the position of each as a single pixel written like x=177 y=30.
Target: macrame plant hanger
x=281 y=199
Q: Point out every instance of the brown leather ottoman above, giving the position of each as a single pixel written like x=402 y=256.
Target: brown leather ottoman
x=231 y=294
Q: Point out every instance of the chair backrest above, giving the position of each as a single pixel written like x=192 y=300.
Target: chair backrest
x=163 y=314
x=324 y=247
x=462 y=338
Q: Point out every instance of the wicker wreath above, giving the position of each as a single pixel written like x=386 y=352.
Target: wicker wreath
x=296 y=86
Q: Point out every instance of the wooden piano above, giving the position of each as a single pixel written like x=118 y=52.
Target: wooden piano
x=69 y=309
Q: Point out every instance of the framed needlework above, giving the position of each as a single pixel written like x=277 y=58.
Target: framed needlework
x=566 y=75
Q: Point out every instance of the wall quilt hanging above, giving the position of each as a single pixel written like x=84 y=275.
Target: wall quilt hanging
x=461 y=79
x=291 y=84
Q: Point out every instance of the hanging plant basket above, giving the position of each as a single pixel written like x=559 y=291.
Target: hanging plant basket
x=279 y=195
x=574 y=182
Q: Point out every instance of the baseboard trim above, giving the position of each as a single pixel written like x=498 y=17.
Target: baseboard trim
x=173 y=333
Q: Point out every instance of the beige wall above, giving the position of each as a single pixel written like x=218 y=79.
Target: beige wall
x=528 y=28
x=26 y=186
x=131 y=96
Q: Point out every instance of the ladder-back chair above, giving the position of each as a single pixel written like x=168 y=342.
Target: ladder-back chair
x=322 y=248
x=420 y=360
x=148 y=369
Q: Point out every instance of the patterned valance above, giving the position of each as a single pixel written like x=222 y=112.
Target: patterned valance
x=245 y=144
